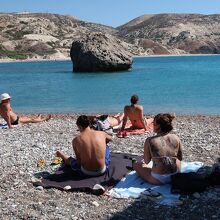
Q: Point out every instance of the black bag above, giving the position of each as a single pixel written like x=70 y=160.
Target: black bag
x=215 y=176
x=188 y=183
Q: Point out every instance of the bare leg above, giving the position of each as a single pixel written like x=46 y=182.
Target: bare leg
x=25 y=120
x=65 y=158
x=116 y=119
x=145 y=173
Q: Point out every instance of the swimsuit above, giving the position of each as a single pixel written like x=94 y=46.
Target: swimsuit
x=16 y=121
x=170 y=163
x=163 y=178
x=84 y=172
x=94 y=172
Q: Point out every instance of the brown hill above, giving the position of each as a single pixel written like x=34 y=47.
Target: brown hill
x=50 y=36
x=174 y=33
x=39 y=35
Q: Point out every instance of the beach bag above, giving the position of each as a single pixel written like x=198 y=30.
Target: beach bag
x=188 y=183
x=102 y=124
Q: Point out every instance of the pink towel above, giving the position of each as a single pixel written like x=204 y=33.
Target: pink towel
x=129 y=130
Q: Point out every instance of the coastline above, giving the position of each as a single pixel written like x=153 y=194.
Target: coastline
x=135 y=56
x=199 y=117
x=33 y=60
x=178 y=55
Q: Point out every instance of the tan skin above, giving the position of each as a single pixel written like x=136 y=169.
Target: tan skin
x=114 y=120
x=135 y=113
x=89 y=148
x=163 y=144
x=9 y=116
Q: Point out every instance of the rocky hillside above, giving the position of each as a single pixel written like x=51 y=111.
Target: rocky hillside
x=174 y=33
x=49 y=36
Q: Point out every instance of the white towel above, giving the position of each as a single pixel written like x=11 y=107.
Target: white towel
x=132 y=185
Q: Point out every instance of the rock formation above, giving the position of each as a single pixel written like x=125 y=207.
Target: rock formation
x=99 y=52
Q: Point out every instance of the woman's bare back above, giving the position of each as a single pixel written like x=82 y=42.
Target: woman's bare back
x=164 y=152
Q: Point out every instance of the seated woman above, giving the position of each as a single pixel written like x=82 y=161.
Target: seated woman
x=165 y=151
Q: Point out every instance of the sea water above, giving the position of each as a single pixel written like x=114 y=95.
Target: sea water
x=187 y=85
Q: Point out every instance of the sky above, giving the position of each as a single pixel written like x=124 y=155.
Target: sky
x=111 y=12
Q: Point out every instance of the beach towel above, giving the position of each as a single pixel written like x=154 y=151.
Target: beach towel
x=132 y=186
x=66 y=178
x=129 y=130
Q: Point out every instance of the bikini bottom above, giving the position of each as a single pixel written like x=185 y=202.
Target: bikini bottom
x=163 y=178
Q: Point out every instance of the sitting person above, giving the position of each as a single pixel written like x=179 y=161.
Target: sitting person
x=92 y=153
x=165 y=151
x=11 y=118
x=135 y=113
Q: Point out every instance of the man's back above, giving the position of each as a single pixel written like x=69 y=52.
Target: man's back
x=90 y=148
x=135 y=115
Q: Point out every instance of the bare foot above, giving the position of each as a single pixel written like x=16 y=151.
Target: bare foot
x=64 y=157
x=48 y=118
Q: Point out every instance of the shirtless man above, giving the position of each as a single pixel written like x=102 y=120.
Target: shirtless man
x=11 y=118
x=92 y=153
x=135 y=113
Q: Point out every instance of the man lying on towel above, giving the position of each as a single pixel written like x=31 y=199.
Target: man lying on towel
x=92 y=153
x=135 y=113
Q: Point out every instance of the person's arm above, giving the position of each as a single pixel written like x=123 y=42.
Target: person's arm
x=76 y=151
x=147 y=154
x=142 y=119
x=125 y=119
x=180 y=151
x=108 y=137
x=7 y=110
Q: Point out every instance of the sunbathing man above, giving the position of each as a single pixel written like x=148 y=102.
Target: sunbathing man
x=135 y=113
x=92 y=153
x=11 y=118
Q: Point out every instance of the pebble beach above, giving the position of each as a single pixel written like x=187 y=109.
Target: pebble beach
x=22 y=147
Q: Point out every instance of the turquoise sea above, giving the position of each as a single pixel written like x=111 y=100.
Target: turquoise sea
x=187 y=85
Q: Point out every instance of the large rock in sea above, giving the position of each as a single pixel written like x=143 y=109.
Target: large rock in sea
x=99 y=52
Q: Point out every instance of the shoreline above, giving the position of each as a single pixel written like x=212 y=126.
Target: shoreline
x=176 y=55
x=135 y=56
x=197 y=117
x=33 y=60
